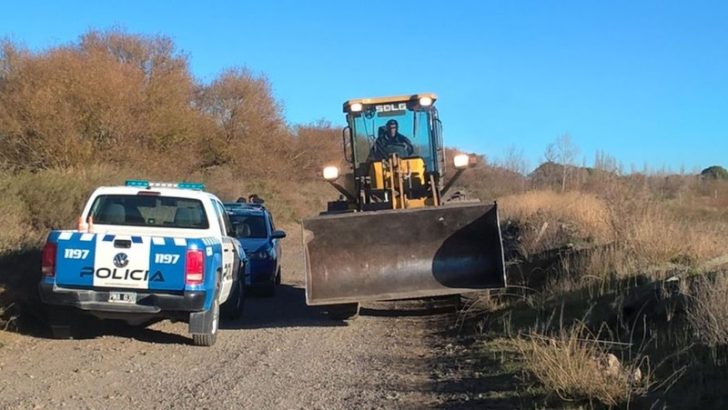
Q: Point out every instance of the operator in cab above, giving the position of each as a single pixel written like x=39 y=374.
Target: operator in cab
x=390 y=141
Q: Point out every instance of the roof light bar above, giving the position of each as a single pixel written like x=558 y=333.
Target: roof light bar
x=137 y=182
x=198 y=186
x=142 y=183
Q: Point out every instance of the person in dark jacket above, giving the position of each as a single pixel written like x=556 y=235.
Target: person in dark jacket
x=390 y=141
x=255 y=199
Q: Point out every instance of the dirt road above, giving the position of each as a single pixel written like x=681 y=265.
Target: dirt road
x=280 y=354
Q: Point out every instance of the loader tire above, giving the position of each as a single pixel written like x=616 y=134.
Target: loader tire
x=344 y=311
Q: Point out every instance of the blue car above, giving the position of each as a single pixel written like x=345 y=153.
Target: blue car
x=253 y=226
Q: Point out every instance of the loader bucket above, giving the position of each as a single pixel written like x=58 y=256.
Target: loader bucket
x=397 y=254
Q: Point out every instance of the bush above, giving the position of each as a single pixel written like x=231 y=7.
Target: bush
x=35 y=202
x=13 y=218
x=714 y=172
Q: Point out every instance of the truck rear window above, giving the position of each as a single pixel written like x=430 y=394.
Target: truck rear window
x=249 y=226
x=153 y=211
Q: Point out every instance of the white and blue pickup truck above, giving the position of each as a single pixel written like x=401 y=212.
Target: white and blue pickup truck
x=145 y=252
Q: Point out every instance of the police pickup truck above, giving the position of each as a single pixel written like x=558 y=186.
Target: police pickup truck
x=145 y=252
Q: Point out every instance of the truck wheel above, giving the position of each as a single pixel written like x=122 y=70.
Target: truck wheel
x=233 y=307
x=209 y=339
x=344 y=311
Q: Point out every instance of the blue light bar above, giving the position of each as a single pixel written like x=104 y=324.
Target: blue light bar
x=142 y=183
x=198 y=186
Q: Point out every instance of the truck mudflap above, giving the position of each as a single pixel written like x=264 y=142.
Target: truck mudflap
x=398 y=254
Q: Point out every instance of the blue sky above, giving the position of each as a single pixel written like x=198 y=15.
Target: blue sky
x=646 y=82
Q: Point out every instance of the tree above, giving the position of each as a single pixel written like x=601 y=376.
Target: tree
x=317 y=145
x=563 y=152
x=515 y=161
x=715 y=172
x=112 y=98
x=250 y=130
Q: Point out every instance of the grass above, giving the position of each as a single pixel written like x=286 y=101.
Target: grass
x=708 y=310
x=575 y=366
x=551 y=220
x=599 y=261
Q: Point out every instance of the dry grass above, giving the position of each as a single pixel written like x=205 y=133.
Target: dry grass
x=552 y=219
x=708 y=310
x=576 y=366
x=34 y=202
x=632 y=239
x=643 y=234
x=658 y=235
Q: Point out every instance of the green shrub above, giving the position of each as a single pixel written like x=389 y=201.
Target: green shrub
x=714 y=172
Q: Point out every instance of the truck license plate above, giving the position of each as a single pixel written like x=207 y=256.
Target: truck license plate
x=122 y=297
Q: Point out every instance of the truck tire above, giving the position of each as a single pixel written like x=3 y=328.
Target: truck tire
x=344 y=311
x=209 y=339
x=233 y=307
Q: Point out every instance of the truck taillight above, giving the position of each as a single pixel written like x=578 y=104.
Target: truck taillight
x=48 y=259
x=195 y=267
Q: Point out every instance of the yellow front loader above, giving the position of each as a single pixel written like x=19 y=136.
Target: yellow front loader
x=394 y=233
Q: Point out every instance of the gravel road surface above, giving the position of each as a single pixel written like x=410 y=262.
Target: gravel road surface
x=280 y=354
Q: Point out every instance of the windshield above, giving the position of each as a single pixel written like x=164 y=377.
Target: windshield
x=249 y=226
x=410 y=138
x=146 y=210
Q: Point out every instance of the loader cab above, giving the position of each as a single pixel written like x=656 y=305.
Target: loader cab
x=411 y=177
x=417 y=121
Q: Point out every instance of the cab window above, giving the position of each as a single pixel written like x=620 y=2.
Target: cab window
x=149 y=211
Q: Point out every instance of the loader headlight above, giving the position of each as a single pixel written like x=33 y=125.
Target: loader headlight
x=425 y=101
x=356 y=107
x=461 y=161
x=331 y=173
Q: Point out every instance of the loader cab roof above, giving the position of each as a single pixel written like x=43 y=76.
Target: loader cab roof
x=412 y=100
